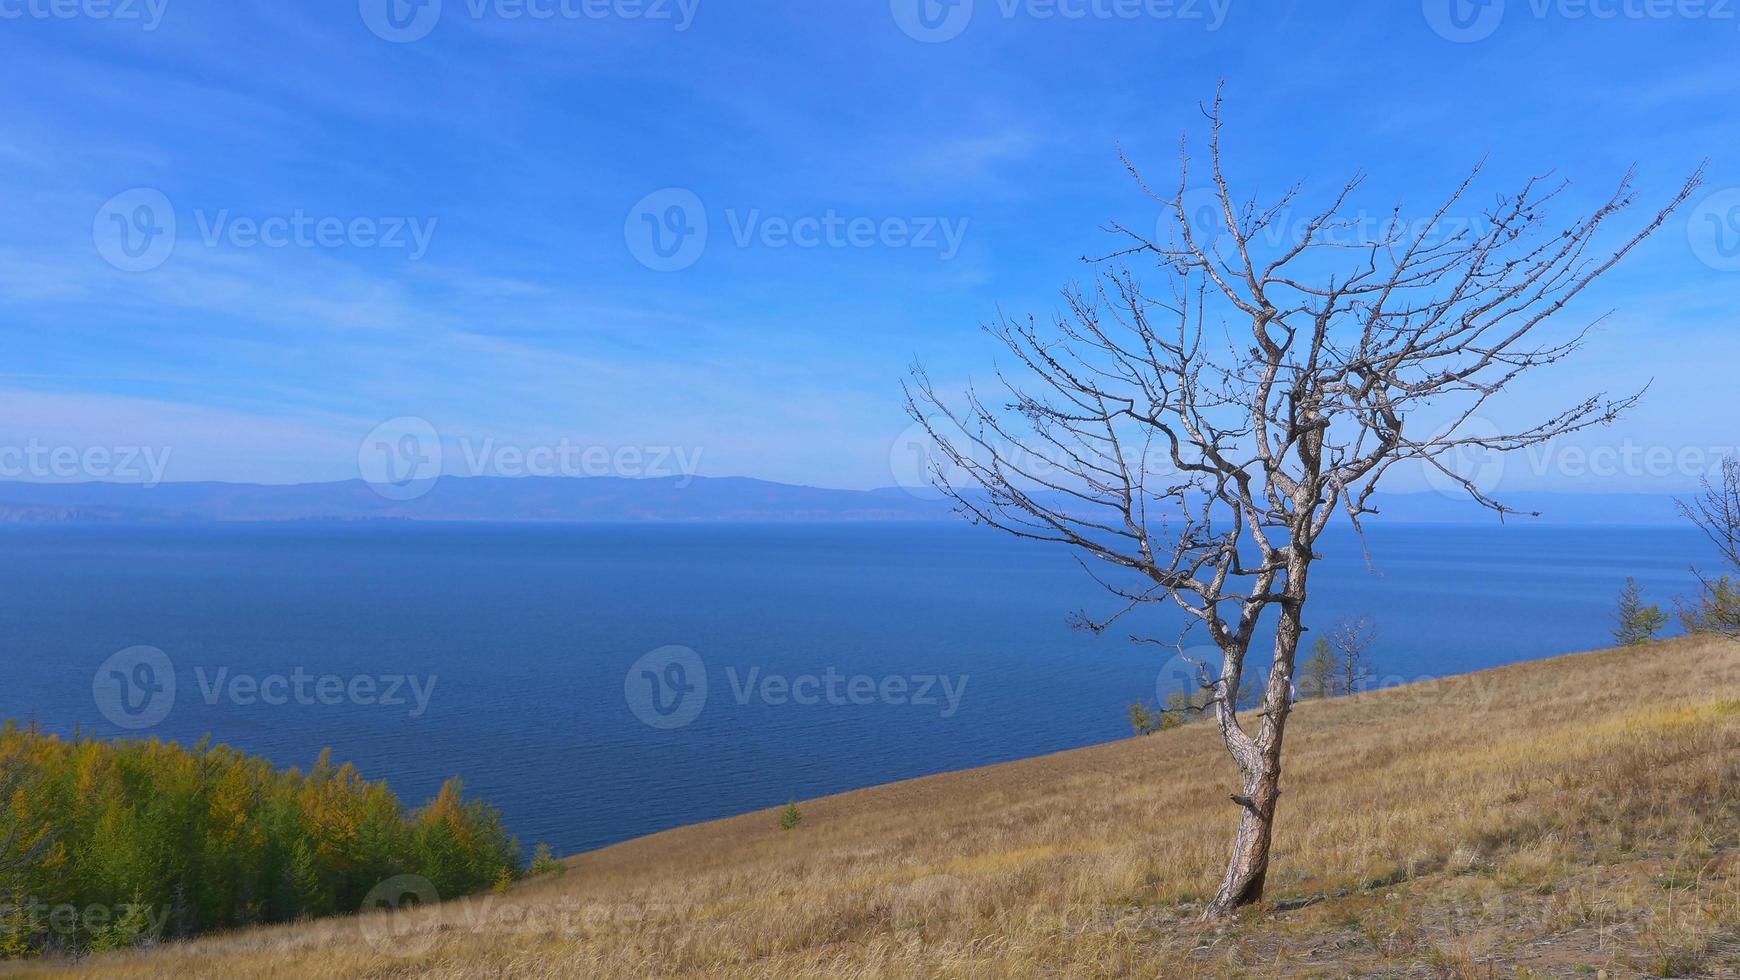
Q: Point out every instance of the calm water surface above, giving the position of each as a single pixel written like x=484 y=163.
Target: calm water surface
x=531 y=635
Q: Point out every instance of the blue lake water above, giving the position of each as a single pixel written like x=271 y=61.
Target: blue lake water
x=535 y=638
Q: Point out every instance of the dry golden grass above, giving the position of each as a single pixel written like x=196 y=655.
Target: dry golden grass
x=1563 y=817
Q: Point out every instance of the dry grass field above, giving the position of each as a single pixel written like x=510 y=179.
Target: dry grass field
x=1571 y=817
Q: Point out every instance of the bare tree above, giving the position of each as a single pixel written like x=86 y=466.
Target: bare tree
x=1193 y=445
x=1352 y=640
x=1717 y=511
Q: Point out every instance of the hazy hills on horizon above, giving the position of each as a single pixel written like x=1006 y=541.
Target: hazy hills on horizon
x=669 y=499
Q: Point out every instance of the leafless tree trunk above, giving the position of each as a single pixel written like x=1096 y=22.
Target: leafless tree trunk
x=1352 y=640
x=1193 y=444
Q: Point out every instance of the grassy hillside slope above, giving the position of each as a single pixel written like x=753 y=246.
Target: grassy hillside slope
x=1562 y=817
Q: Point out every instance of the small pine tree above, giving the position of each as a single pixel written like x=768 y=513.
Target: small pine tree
x=302 y=883
x=791 y=817
x=545 y=863
x=130 y=929
x=1638 y=623
x=1320 y=670
x=17 y=931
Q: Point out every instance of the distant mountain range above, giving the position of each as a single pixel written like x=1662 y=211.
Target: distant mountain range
x=609 y=499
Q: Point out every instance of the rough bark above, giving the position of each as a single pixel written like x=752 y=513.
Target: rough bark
x=1192 y=444
x=1259 y=762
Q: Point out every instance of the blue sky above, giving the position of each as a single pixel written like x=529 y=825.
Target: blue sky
x=484 y=182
